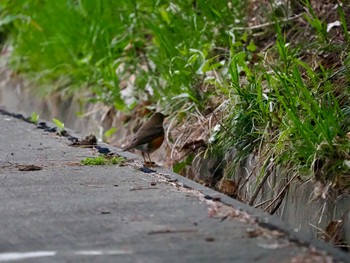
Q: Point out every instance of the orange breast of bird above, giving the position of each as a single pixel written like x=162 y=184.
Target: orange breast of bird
x=151 y=146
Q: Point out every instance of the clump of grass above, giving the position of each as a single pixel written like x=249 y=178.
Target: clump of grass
x=34 y=118
x=60 y=126
x=291 y=111
x=103 y=160
x=97 y=47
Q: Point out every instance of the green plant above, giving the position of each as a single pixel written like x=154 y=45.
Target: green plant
x=34 y=118
x=109 y=132
x=319 y=26
x=84 y=45
x=60 y=126
x=287 y=111
x=103 y=160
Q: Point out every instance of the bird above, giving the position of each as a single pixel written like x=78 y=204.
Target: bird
x=149 y=137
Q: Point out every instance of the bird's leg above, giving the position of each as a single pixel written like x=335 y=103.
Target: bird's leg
x=147 y=164
x=149 y=158
x=144 y=159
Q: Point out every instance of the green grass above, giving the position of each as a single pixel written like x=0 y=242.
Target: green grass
x=289 y=112
x=102 y=160
x=75 y=46
x=60 y=126
x=34 y=118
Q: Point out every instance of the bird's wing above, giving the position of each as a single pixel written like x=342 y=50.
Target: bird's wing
x=147 y=136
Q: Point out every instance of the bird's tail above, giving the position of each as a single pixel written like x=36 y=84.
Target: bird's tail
x=128 y=147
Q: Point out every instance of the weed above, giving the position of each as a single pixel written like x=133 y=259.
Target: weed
x=103 y=160
x=109 y=132
x=288 y=111
x=34 y=118
x=60 y=126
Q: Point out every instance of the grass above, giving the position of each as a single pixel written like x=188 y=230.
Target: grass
x=60 y=126
x=78 y=46
x=34 y=118
x=102 y=160
x=290 y=113
x=281 y=84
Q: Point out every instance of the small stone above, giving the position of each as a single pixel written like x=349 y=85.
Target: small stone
x=209 y=239
x=105 y=212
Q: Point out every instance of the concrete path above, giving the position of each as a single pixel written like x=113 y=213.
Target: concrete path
x=67 y=212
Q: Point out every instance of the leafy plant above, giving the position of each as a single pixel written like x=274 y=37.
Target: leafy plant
x=84 y=45
x=60 y=126
x=316 y=23
x=34 y=118
x=288 y=113
x=109 y=132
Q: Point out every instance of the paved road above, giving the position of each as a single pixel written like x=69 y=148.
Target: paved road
x=72 y=213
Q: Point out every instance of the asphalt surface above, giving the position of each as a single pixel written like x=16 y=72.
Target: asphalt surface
x=67 y=212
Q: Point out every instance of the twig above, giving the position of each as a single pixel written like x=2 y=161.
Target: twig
x=281 y=192
x=221 y=124
x=320 y=230
x=168 y=231
x=142 y=188
x=332 y=76
x=247 y=178
x=257 y=190
x=268 y=23
x=92 y=185
x=262 y=203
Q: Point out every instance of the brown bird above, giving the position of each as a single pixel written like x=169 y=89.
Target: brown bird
x=149 y=137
